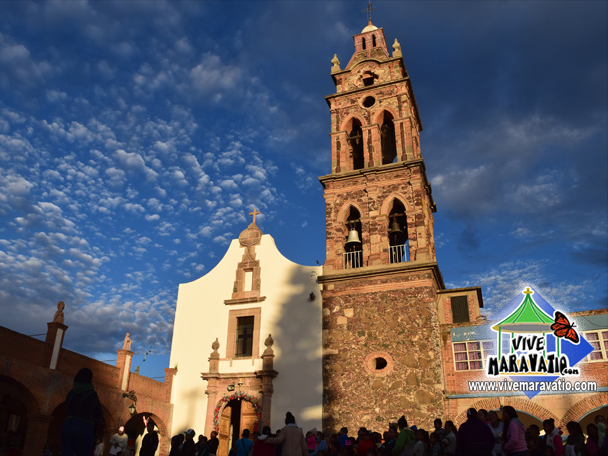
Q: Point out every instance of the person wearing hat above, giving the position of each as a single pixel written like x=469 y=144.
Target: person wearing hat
x=188 y=448
x=149 y=443
x=120 y=439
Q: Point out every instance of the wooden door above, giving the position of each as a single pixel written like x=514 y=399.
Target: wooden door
x=249 y=417
x=224 y=435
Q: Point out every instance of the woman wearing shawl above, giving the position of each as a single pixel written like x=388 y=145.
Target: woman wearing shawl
x=83 y=411
x=514 y=434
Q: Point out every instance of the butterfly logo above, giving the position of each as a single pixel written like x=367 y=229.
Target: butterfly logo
x=563 y=328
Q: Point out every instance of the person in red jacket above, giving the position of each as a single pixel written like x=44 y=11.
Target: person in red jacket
x=261 y=447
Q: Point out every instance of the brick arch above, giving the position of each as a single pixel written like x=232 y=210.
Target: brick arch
x=585 y=406
x=519 y=404
x=345 y=207
x=349 y=118
x=388 y=200
x=31 y=401
x=379 y=113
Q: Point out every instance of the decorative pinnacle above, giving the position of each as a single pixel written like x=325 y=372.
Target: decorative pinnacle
x=369 y=11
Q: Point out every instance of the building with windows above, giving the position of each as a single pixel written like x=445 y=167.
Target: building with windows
x=373 y=333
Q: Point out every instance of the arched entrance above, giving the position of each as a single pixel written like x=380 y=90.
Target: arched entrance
x=135 y=429
x=589 y=418
x=16 y=403
x=232 y=416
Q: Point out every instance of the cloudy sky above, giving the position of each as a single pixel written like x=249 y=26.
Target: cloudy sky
x=136 y=136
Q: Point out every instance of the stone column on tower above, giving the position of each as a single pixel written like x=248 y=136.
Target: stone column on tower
x=55 y=334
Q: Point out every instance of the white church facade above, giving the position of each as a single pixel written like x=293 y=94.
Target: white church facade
x=247 y=338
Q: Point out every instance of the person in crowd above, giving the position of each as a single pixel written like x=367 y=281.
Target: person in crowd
x=343 y=436
x=421 y=447
x=83 y=412
x=334 y=448
x=448 y=443
x=244 y=444
x=322 y=444
x=553 y=437
x=203 y=448
x=98 y=447
x=390 y=438
x=600 y=422
x=365 y=443
x=213 y=443
x=483 y=416
x=405 y=440
x=593 y=443
x=533 y=433
x=474 y=436
x=496 y=427
x=120 y=439
x=576 y=439
x=149 y=443
x=311 y=442
x=261 y=447
x=549 y=451
x=437 y=424
x=291 y=438
x=535 y=447
x=514 y=434
x=176 y=442
x=436 y=448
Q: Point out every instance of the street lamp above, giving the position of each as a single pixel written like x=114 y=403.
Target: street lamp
x=132 y=409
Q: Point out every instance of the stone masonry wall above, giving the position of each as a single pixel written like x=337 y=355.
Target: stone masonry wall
x=393 y=317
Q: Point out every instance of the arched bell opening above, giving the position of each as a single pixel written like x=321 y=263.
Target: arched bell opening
x=397 y=233
x=353 y=247
x=373 y=40
x=363 y=43
x=387 y=139
x=355 y=142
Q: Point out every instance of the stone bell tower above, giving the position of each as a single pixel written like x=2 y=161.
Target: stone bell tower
x=381 y=337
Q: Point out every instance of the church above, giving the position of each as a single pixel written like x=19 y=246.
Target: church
x=373 y=333
x=351 y=343
x=370 y=335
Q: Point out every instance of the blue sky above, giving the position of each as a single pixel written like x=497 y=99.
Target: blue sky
x=136 y=136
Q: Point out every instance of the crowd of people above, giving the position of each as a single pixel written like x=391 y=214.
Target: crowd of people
x=482 y=434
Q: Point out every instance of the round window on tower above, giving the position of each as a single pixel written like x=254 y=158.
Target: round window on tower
x=368 y=102
x=379 y=363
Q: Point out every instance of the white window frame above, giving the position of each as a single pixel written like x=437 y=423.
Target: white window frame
x=484 y=354
x=603 y=342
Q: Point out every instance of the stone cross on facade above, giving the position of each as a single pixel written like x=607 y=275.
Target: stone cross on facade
x=254 y=213
x=369 y=11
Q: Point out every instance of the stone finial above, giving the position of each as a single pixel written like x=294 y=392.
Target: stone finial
x=126 y=345
x=397 y=49
x=269 y=342
x=58 y=318
x=336 y=64
x=215 y=345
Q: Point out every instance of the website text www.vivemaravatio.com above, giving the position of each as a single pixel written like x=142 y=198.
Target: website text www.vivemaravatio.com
x=557 y=386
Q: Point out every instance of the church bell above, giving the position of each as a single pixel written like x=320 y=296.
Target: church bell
x=353 y=237
x=395 y=228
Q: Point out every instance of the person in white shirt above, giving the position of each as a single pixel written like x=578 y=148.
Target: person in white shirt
x=98 y=447
x=496 y=426
x=120 y=439
x=449 y=439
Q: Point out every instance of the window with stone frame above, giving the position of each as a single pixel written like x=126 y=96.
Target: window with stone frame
x=244 y=336
x=599 y=342
x=471 y=355
x=244 y=333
